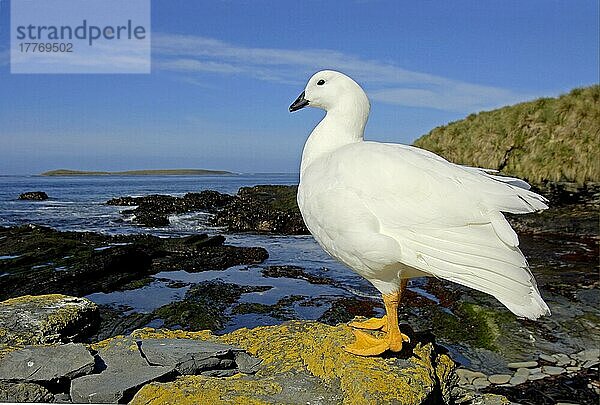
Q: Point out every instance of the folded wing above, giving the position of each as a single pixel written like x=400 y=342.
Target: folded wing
x=446 y=218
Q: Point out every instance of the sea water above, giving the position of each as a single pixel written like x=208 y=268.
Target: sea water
x=77 y=203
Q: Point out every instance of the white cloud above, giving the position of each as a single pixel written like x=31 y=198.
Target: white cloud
x=451 y=96
x=386 y=82
x=194 y=65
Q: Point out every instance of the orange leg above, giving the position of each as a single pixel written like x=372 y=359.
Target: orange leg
x=367 y=345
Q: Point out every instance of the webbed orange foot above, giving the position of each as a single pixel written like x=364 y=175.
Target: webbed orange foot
x=367 y=345
x=371 y=324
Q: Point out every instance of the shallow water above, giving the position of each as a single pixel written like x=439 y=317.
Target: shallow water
x=564 y=267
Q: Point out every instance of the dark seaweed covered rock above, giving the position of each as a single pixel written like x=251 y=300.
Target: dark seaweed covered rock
x=271 y=209
x=41 y=260
x=263 y=209
x=33 y=196
x=200 y=252
x=573 y=211
x=204 y=306
x=295 y=272
x=153 y=210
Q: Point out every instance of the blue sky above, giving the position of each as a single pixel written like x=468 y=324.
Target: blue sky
x=224 y=73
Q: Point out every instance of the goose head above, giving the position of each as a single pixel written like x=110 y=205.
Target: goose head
x=332 y=91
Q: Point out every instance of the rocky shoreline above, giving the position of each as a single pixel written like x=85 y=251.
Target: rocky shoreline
x=261 y=209
x=41 y=260
x=275 y=364
x=561 y=245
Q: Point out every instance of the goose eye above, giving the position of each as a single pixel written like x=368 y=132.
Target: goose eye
x=321 y=82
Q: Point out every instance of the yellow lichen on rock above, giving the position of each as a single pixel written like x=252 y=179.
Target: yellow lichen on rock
x=47 y=299
x=302 y=358
x=45 y=319
x=192 y=390
x=150 y=333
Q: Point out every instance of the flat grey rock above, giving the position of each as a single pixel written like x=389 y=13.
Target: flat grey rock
x=62 y=398
x=499 y=378
x=467 y=376
x=46 y=319
x=46 y=363
x=536 y=376
x=481 y=382
x=190 y=356
x=518 y=380
x=562 y=359
x=548 y=358
x=219 y=373
x=523 y=372
x=588 y=355
x=23 y=392
x=522 y=364
x=552 y=370
x=246 y=363
x=126 y=371
x=590 y=363
x=130 y=364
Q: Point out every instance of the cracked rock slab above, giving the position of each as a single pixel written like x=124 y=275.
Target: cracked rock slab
x=189 y=357
x=304 y=362
x=125 y=364
x=46 y=363
x=124 y=371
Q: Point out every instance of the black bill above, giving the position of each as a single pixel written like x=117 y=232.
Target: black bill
x=300 y=102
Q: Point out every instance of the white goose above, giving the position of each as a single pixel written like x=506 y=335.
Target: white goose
x=392 y=212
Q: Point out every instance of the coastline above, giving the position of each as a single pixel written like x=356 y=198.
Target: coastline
x=185 y=282
x=150 y=172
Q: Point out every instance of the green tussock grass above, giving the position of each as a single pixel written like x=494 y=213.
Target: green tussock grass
x=549 y=139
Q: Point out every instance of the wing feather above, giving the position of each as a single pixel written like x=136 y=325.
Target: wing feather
x=446 y=218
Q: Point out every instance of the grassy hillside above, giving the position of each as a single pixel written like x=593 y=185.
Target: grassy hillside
x=167 y=172
x=549 y=139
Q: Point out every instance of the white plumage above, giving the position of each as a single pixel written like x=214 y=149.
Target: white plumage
x=392 y=212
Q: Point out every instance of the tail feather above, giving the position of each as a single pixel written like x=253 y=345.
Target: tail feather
x=505 y=194
x=468 y=256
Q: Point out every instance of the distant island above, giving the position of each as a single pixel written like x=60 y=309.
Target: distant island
x=166 y=172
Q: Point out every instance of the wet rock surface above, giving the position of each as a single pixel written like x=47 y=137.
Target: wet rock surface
x=270 y=209
x=40 y=260
x=263 y=209
x=573 y=211
x=33 y=196
x=154 y=210
x=46 y=319
x=204 y=306
x=295 y=272
x=580 y=388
